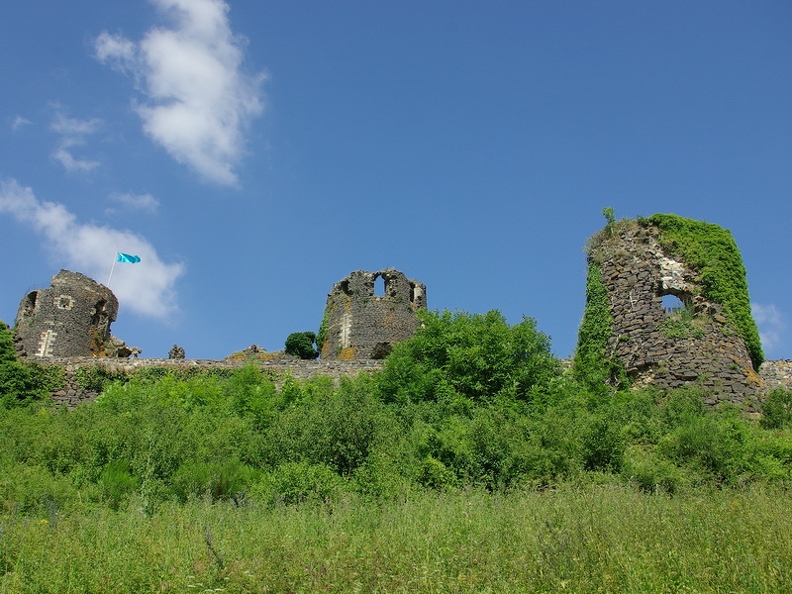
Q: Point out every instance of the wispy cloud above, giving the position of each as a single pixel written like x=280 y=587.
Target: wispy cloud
x=73 y=133
x=18 y=122
x=198 y=101
x=145 y=202
x=146 y=288
x=771 y=323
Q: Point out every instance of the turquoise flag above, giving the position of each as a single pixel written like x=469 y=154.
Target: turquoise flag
x=129 y=259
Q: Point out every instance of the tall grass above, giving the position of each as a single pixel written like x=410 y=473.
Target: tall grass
x=578 y=539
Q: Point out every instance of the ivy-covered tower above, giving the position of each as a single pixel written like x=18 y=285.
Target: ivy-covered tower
x=667 y=304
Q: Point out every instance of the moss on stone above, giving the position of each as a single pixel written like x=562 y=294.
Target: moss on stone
x=713 y=253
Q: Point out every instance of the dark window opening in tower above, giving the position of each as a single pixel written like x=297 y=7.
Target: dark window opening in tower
x=30 y=304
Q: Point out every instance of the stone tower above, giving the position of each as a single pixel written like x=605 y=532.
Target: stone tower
x=361 y=325
x=70 y=319
x=667 y=304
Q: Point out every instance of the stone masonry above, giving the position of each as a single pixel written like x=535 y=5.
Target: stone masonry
x=777 y=374
x=362 y=325
x=70 y=319
x=705 y=350
x=280 y=370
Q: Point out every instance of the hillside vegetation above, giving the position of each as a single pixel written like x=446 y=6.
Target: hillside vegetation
x=474 y=461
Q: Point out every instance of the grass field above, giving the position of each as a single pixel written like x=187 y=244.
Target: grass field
x=574 y=539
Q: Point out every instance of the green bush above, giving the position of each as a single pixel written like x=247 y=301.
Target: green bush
x=777 y=409
x=253 y=395
x=338 y=428
x=301 y=344
x=299 y=482
x=32 y=488
x=434 y=475
x=478 y=357
x=650 y=472
x=715 y=445
x=117 y=483
x=7 y=349
x=603 y=446
x=96 y=377
x=220 y=480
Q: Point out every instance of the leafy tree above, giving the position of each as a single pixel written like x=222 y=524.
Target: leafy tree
x=476 y=356
x=301 y=344
x=7 y=351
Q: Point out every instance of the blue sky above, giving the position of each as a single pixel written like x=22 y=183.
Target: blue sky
x=254 y=153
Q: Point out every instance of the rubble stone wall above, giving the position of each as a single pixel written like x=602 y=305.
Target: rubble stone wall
x=693 y=343
x=73 y=394
x=363 y=325
x=777 y=374
x=70 y=319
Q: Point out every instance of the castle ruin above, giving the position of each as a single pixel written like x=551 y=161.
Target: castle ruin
x=361 y=325
x=70 y=319
x=678 y=307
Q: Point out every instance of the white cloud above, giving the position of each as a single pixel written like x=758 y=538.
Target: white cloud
x=145 y=202
x=146 y=288
x=18 y=122
x=198 y=100
x=73 y=133
x=771 y=323
x=116 y=50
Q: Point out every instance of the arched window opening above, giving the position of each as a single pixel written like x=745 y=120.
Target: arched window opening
x=29 y=304
x=673 y=304
x=379 y=286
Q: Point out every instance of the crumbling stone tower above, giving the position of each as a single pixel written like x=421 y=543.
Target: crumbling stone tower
x=705 y=335
x=70 y=319
x=361 y=325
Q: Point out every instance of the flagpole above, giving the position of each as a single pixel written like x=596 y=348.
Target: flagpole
x=115 y=259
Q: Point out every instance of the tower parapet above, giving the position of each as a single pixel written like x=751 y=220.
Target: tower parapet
x=361 y=325
x=667 y=305
x=70 y=319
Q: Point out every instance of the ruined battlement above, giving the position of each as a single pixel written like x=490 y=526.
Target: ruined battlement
x=71 y=318
x=696 y=339
x=362 y=325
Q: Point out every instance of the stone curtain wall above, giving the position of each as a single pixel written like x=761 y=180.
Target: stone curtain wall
x=669 y=349
x=72 y=394
x=777 y=374
x=362 y=325
x=70 y=319
x=773 y=373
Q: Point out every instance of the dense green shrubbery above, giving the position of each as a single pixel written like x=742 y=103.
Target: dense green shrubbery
x=301 y=344
x=469 y=402
x=475 y=357
x=777 y=409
